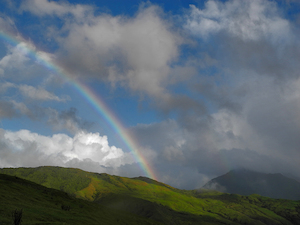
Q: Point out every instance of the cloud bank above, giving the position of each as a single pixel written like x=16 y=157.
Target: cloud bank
x=24 y=148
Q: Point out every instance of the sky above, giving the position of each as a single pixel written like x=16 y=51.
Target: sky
x=180 y=91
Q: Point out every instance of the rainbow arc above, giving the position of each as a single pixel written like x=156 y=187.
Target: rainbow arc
x=95 y=100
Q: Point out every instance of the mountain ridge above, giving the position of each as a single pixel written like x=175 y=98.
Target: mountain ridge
x=247 y=182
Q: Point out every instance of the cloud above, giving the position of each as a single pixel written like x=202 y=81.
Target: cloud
x=215 y=186
x=39 y=94
x=32 y=93
x=250 y=21
x=136 y=53
x=52 y=8
x=5 y=86
x=12 y=109
x=253 y=36
x=7 y=110
x=24 y=148
x=22 y=108
x=19 y=64
x=224 y=141
x=63 y=121
x=7 y=25
x=16 y=57
x=67 y=120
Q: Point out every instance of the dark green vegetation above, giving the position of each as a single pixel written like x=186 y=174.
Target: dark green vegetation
x=119 y=200
x=41 y=205
x=245 y=182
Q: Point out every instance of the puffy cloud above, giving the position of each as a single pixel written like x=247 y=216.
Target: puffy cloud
x=138 y=53
x=23 y=148
x=135 y=52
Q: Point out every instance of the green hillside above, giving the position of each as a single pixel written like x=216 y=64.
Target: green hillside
x=41 y=205
x=155 y=201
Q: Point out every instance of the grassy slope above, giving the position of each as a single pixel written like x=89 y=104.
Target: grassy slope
x=43 y=205
x=160 y=202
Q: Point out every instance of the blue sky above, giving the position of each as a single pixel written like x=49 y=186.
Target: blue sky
x=202 y=86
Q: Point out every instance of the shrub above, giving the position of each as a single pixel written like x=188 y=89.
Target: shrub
x=17 y=216
x=65 y=207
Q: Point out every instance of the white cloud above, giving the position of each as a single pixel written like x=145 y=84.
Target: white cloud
x=215 y=186
x=16 y=57
x=33 y=93
x=39 y=94
x=59 y=149
x=248 y=20
x=51 y=8
x=22 y=108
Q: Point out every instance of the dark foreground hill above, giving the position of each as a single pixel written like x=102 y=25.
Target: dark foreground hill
x=41 y=205
x=104 y=199
x=245 y=182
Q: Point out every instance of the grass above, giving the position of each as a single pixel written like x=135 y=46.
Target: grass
x=43 y=205
x=142 y=199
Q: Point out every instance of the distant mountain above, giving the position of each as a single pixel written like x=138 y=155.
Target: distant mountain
x=105 y=199
x=246 y=182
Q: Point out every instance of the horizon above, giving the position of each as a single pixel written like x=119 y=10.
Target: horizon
x=180 y=91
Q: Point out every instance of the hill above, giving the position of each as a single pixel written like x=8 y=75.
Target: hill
x=245 y=182
x=41 y=205
x=144 y=200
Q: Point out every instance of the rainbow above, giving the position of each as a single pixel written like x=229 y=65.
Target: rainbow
x=95 y=100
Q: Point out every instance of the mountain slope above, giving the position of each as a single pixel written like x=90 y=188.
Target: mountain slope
x=245 y=182
x=43 y=205
x=155 y=201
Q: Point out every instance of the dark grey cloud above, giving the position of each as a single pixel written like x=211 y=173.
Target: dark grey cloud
x=67 y=120
x=276 y=60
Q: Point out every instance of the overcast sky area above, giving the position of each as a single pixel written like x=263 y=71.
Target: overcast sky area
x=202 y=86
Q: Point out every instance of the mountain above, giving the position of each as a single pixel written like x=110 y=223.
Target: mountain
x=106 y=199
x=246 y=182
